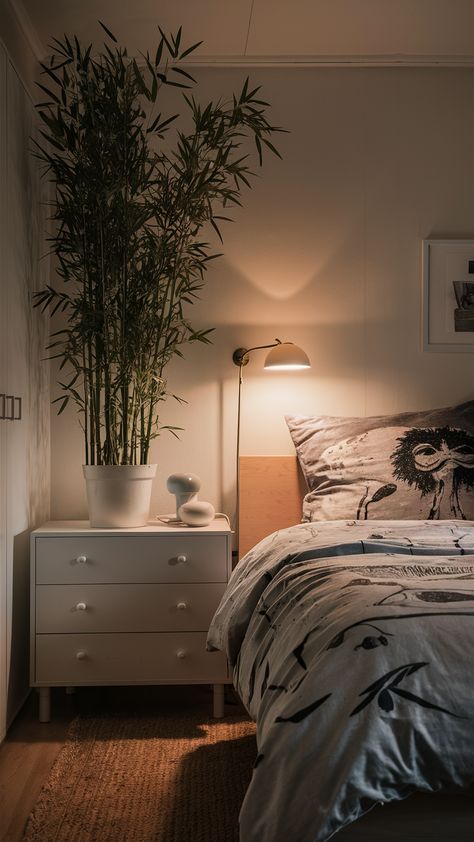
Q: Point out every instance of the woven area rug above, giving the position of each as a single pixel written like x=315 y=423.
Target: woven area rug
x=152 y=769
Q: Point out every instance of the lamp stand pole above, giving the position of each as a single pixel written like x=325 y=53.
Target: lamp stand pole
x=237 y=461
x=240 y=358
x=288 y=356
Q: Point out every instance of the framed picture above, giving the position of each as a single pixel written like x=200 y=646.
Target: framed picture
x=448 y=295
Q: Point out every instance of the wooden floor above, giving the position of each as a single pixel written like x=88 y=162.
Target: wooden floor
x=30 y=749
x=26 y=757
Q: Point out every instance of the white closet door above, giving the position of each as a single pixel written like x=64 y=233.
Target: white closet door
x=24 y=443
x=3 y=387
x=19 y=266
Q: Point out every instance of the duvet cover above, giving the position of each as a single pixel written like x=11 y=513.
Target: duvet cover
x=352 y=647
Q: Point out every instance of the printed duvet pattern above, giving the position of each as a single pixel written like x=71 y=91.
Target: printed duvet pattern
x=352 y=645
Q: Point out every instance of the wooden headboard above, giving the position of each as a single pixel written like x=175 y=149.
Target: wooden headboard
x=271 y=494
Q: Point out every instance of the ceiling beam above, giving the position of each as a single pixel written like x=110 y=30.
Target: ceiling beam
x=333 y=61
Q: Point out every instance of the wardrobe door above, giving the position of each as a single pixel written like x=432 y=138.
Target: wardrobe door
x=3 y=389
x=24 y=378
x=19 y=269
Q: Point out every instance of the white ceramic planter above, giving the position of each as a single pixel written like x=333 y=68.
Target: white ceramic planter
x=119 y=495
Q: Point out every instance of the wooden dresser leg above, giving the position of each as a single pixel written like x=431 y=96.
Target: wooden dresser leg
x=218 y=701
x=44 y=704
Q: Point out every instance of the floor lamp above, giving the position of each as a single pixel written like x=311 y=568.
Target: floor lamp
x=282 y=356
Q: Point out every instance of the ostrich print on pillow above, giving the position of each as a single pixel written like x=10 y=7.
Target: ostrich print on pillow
x=407 y=466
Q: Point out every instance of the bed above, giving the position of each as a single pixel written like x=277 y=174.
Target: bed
x=351 y=641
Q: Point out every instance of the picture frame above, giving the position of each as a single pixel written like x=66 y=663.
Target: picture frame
x=448 y=295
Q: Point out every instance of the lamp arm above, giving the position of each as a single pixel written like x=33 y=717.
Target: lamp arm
x=240 y=354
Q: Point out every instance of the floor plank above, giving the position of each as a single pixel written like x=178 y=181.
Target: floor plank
x=26 y=756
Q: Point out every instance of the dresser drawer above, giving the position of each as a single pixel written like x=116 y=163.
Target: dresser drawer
x=75 y=659
x=126 y=607
x=137 y=558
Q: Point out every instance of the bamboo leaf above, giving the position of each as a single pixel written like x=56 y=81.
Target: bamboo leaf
x=216 y=229
x=140 y=80
x=109 y=33
x=176 y=84
x=159 y=53
x=169 y=46
x=190 y=50
x=183 y=73
x=52 y=141
x=51 y=74
x=64 y=403
x=58 y=46
x=48 y=92
x=177 y=40
x=243 y=94
x=270 y=146
x=157 y=126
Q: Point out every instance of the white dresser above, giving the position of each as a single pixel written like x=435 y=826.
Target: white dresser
x=126 y=606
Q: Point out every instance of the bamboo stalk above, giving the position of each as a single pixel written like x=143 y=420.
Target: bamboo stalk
x=125 y=392
x=83 y=350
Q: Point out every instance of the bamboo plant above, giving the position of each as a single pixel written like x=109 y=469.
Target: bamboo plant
x=132 y=194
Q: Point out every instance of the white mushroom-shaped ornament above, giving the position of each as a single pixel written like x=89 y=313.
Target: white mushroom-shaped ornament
x=185 y=488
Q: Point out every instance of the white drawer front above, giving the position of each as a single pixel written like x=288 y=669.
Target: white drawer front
x=75 y=659
x=137 y=558
x=126 y=607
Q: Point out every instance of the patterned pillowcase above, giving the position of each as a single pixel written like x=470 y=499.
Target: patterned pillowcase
x=417 y=465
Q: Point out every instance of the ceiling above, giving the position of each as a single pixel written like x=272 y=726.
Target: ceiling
x=418 y=31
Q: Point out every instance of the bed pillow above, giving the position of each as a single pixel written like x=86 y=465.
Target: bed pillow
x=416 y=465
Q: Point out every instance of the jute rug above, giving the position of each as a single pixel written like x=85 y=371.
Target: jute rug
x=159 y=770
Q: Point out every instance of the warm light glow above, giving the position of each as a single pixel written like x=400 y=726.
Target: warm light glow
x=286 y=367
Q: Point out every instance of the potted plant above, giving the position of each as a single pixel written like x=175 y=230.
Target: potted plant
x=133 y=192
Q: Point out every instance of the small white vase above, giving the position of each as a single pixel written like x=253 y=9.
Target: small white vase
x=196 y=513
x=118 y=495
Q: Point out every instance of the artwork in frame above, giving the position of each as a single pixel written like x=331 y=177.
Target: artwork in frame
x=448 y=295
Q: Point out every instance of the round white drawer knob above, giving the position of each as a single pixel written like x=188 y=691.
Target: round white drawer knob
x=81 y=559
x=81 y=655
x=181 y=606
x=81 y=606
x=182 y=559
x=181 y=653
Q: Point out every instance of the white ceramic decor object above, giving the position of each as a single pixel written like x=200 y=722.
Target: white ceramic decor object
x=196 y=513
x=119 y=495
x=184 y=487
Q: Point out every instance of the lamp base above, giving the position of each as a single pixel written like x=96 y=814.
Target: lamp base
x=240 y=356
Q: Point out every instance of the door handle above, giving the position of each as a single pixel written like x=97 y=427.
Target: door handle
x=2 y=410
x=9 y=413
x=13 y=411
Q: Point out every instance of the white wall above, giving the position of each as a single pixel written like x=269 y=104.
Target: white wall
x=326 y=253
